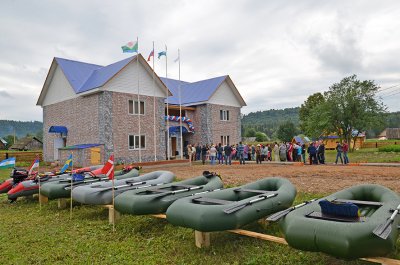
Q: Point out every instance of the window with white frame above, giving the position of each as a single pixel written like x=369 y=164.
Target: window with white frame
x=225 y=140
x=137 y=142
x=224 y=115
x=136 y=107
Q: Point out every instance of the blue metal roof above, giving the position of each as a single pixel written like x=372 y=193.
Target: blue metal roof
x=192 y=92
x=84 y=77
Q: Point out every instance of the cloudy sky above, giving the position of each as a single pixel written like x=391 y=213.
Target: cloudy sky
x=276 y=52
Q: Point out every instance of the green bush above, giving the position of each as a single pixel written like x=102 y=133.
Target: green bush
x=390 y=148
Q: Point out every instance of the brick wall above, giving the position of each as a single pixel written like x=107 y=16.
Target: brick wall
x=125 y=124
x=230 y=127
x=79 y=115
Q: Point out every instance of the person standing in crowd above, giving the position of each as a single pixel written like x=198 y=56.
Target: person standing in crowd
x=240 y=152
x=276 y=152
x=228 y=154
x=213 y=154
x=189 y=152
x=339 y=150
x=282 y=152
x=312 y=152
x=253 y=152
x=290 y=152
x=258 y=154
x=294 y=152
x=264 y=152
x=220 y=157
x=298 y=151
x=204 y=151
x=269 y=152
x=345 y=151
x=303 y=153
x=321 y=152
x=198 y=151
x=245 y=152
x=194 y=152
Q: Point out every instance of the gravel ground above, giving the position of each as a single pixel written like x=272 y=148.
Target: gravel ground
x=310 y=179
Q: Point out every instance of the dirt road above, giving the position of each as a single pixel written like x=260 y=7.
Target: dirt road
x=311 y=179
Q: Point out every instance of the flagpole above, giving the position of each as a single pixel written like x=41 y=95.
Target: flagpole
x=113 y=196
x=154 y=111
x=72 y=178
x=138 y=98
x=40 y=201
x=166 y=76
x=180 y=103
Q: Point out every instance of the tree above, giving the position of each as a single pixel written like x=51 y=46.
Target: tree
x=251 y=132
x=286 y=131
x=10 y=140
x=308 y=107
x=261 y=137
x=349 y=108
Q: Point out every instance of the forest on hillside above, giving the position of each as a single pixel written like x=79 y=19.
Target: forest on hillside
x=268 y=122
x=21 y=128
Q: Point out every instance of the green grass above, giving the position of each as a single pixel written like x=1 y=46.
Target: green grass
x=371 y=155
x=30 y=235
x=390 y=148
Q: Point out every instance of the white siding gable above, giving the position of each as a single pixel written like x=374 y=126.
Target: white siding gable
x=59 y=89
x=224 y=96
x=126 y=81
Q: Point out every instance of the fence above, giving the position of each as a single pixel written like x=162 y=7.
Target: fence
x=378 y=144
x=22 y=156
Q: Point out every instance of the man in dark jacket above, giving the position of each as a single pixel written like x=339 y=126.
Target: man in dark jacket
x=227 y=156
x=312 y=152
x=321 y=153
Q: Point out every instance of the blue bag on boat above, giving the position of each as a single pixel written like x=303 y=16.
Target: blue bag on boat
x=77 y=177
x=345 y=209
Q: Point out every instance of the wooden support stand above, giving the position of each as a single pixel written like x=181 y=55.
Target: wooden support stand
x=62 y=203
x=113 y=215
x=43 y=199
x=202 y=239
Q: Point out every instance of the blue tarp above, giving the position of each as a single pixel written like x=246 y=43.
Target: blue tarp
x=79 y=146
x=58 y=129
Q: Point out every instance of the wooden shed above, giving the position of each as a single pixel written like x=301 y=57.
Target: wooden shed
x=3 y=144
x=27 y=143
x=389 y=134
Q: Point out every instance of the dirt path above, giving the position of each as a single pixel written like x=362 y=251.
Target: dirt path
x=313 y=179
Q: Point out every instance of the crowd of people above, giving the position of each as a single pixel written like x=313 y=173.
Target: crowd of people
x=285 y=151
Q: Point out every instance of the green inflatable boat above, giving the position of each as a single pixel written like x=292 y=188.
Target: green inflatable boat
x=232 y=208
x=157 y=199
x=62 y=188
x=360 y=221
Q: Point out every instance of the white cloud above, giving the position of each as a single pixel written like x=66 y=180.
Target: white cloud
x=277 y=52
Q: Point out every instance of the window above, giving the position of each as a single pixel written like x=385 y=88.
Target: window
x=134 y=107
x=225 y=140
x=224 y=115
x=137 y=142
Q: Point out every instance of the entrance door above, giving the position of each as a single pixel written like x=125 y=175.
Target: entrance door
x=173 y=146
x=95 y=156
x=58 y=143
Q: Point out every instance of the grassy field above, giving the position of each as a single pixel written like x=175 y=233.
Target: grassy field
x=30 y=235
x=371 y=155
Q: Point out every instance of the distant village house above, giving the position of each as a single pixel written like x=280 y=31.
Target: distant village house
x=27 y=143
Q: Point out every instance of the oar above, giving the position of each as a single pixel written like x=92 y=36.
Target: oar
x=195 y=194
x=276 y=216
x=241 y=206
x=84 y=182
x=178 y=191
x=130 y=185
x=383 y=230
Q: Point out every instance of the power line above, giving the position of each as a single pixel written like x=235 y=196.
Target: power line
x=391 y=94
x=388 y=93
x=383 y=89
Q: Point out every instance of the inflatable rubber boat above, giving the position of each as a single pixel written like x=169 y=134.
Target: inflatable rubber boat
x=232 y=208
x=62 y=188
x=155 y=200
x=101 y=192
x=360 y=221
x=16 y=176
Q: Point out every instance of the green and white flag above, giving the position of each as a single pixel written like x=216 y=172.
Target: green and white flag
x=7 y=163
x=130 y=47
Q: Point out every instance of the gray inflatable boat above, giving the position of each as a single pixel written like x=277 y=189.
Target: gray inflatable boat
x=100 y=193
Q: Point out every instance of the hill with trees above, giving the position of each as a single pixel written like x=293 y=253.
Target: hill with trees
x=21 y=129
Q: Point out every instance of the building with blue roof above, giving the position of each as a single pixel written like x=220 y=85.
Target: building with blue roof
x=120 y=106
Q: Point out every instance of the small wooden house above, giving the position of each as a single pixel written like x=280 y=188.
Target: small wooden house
x=389 y=134
x=3 y=144
x=27 y=143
